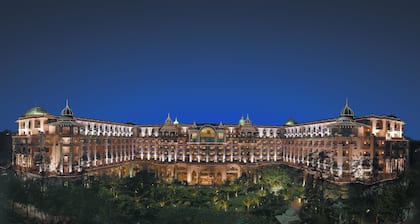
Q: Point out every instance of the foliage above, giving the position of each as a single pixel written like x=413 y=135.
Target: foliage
x=143 y=199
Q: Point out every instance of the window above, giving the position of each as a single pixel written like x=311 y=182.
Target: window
x=379 y=125
x=220 y=135
x=37 y=124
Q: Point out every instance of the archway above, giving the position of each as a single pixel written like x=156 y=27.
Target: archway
x=194 y=177
x=207 y=134
x=219 y=178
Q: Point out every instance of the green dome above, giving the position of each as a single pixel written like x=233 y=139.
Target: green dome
x=35 y=111
x=242 y=121
x=290 y=122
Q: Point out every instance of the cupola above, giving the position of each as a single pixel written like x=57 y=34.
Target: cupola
x=347 y=111
x=66 y=111
x=242 y=121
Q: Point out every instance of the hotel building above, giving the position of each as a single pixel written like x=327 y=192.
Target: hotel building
x=344 y=149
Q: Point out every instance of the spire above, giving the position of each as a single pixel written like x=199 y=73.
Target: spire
x=168 y=120
x=176 y=122
x=347 y=111
x=66 y=111
x=247 y=120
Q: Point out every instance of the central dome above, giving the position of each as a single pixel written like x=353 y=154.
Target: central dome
x=290 y=122
x=35 y=111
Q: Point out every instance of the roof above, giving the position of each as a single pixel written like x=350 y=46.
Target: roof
x=35 y=111
x=391 y=117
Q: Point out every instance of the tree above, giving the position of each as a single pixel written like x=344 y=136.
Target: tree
x=222 y=204
x=275 y=179
x=248 y=201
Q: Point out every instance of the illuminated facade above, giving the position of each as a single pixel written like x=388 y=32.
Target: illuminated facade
x=345 y=149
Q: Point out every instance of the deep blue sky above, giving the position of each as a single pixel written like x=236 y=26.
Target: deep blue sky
x=210 y=61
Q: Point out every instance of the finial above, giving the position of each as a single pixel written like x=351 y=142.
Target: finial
x=347 y=101
x=67 y=102
x=168 y=116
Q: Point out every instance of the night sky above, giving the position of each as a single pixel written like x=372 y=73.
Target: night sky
x=210 y=61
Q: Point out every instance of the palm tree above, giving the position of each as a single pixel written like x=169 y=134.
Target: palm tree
x=236 y=187
x=227 y=189
x=255 y=199
x=224 y=204
x=248 y=202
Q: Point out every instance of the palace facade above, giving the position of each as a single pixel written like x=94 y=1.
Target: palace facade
x=344 y=149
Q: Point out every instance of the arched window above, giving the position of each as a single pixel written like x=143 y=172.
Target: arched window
x=207 y=134
x=379 y=125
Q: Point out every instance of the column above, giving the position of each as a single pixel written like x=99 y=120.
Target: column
x=275 y=150
x=340 y=159
x=106 y=151
x=183 y=153
x=190 y=157
x=125 y=152
x=239 y=153
x=307 y=158
x=71 y=147
x=155 y=152
x=94 y=157
x=133 y=154
x=176 y=152
x=41 y=121
x=215 y=154
x=224 y=154
x=61 y=158
x=148 y=150
x=112 y=154
x=231 y=151
x=252 y=154
x=88 y=155
x=268 y=153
